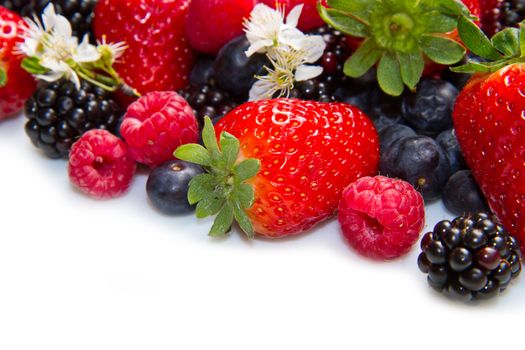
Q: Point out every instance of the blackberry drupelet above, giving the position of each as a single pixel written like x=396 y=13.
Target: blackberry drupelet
x=59 y=114
x=14 y=5
x=512 y=12
x=80 y=13
x=323 y=87
x=209 y=100
x=472 y=257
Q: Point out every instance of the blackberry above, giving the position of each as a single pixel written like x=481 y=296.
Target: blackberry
x=512 y=12
x=59 y=114
x=472 y=257
x=323 y=87
x=209 y=100
x=80 y=13
x=14 y=5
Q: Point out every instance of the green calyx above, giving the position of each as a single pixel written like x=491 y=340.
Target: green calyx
x=398 y=35
x=505 y=48
x=222 y=190
x=3 y=78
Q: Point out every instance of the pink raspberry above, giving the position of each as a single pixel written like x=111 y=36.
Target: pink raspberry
x=381 y=217
x=100 y=164
x=156 y=124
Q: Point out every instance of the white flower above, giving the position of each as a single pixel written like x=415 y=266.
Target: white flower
x=86 y=52
x=266 y=28
x=58 y=70
x=289 y=66
x=113 y=50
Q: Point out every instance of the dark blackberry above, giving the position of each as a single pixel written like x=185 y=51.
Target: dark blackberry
x=14 y=5
x=512 y=12
x=209 y=100
x=323 y=87
x=59 y=114
x=472 y=257
x=80 y=13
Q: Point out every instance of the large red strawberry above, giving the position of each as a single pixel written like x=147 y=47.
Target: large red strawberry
x=489 y=118
x=16 y=85
x=158 y=57
x=401 y=38
x=210 y=33
x=309 y=19
x=282 y=166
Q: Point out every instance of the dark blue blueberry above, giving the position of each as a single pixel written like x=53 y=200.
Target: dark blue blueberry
x=462 y=195
x=167 y=186
x=449 y=142
x=420 y=161
x=392 y=133
x=234 y=71
x=430 y=107
x=202 y=71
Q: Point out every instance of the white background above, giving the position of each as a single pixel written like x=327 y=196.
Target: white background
x=76 y=273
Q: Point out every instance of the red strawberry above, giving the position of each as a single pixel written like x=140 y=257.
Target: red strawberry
x=158 y=57
x=310 y=18
x=307 y=153
x=489 y=119
x=202 y=30
x=16 y=85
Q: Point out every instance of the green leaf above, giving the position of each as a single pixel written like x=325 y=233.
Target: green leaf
x=223 y=221
x=480 y=67
x=454 y=7
x=411 y=65
x=522 y=39
x=230 y=148
x=209 y=137
x=209 y=205
x=438 y=22
x=32 y=65
x=200 y=186
x=247 y=169
x=246 y=195
x=345 y=22
x=507 y=42
x=359 y=8
x=389 y=75
x=3 y=78
x=363 y=59
x=243 y=220
x=442 y=50
x=193 y=153
x=476 y=40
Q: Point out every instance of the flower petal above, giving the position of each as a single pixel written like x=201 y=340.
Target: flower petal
x=293 y=17
x=260 y=90
x=259 y=46
x=313 y=46
x=86 y=52
x=305 y=72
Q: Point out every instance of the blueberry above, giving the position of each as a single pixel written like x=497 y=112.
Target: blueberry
x=430 y=107
x=462 y=194
x=420 y=161
x=392 y=133
x=234 y=71
x=167 y=186
x=449 y=142
x=202 y=71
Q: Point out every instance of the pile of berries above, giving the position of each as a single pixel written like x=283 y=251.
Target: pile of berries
x=281 y=120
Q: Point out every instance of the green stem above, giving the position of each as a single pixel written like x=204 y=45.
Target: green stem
x=3 y=77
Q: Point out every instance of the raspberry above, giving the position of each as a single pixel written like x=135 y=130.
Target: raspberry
x=100 y=164
x=381 y=217
x=156 y=124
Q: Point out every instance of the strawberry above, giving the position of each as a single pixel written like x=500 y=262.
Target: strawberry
x=310 y=18
x=16 y=85
x=282 y=164
x=158 y=57
x=490 y=122
x=204 y=34
x=401 y=37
